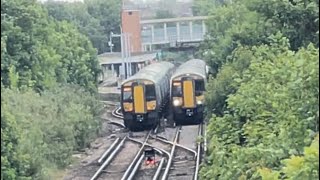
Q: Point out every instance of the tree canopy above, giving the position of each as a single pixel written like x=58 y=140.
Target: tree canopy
x=94 y=18
x=49 y=107
x=263 y=99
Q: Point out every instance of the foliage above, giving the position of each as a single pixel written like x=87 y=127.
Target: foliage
x=297 y=20
x=220 y=87
x=37 y=51
x=48 y=81
x=178 y=56
x=251 y=22
x=162 y=14
x=204 y=7
x=264 y=98
x=272 y=115
x=41 y=132
x=298 y=167
x=94 y=18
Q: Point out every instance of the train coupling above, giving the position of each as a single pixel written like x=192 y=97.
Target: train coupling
x=140 y=117
x=189 y=112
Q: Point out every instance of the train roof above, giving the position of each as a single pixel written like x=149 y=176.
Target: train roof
x=193 y=66
x=153 y=72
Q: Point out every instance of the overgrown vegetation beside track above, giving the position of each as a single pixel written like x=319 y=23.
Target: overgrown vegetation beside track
x=49 y=107
x=40 y=132
x=263 y=101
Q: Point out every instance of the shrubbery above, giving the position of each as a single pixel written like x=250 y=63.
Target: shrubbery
x=263 y=101
x=48 y=88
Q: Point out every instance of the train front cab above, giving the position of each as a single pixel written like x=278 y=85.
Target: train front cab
x=139 y=105
x=187 y=100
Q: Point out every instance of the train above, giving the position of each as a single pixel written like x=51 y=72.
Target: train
x=145 y=95
x=187 y=87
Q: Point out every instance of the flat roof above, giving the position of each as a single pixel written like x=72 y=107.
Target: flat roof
x=191 y=18
x=115 y=58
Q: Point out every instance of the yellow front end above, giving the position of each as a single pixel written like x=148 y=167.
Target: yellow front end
x=139 y=99
x=151 y=105
x=127 y=107
x=188 y=94
x=200 y=99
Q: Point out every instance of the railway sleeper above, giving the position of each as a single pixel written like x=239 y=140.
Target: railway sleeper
x=180 y=167
x=180 y=158
x=113 y=172
x=183 y=166
x=183 y=161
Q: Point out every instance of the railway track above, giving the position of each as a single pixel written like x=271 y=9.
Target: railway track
x=115 y=118
x=147 y=172
x=116 y=113
x=186 y=157
x=175 y=160
x=117 y=159
x=178 y=154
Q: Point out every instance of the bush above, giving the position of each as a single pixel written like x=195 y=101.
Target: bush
x=42 y=131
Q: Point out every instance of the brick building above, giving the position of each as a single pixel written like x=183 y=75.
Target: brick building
x=130 y=22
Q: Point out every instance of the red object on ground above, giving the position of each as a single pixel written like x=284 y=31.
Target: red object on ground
x=150 y=161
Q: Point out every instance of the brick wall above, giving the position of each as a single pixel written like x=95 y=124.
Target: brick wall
x=130 y=21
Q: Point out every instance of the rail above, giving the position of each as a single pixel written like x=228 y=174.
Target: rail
x=136 y=158
x=171 y=143
x=107 y=152
x=107 y=162
x=116 y=113
x=166 y=172
x=198 y=152
x=160 y=151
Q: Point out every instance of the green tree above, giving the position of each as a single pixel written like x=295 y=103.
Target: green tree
x=162 y=14
x=37 y=51
x=263 y=99
x=108 y=14
x=297 y=167
x=77 y=13
x=48 y=86
x=272 y=115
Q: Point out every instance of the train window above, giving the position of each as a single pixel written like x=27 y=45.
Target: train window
x=176 y=90
x=150 y=92
x=199 y=87
x=127 y=95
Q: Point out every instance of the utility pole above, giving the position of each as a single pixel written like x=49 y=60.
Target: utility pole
x=110 y=41
x=125 y=52
x=128 y=54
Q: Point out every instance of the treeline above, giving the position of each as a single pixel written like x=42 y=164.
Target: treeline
x=49 y=107
x=94 y=18
x=263 y=99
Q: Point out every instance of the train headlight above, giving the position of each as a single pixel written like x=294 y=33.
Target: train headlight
x=151 y=105
x=199 y=102
x=127 y=107
x=177 y=102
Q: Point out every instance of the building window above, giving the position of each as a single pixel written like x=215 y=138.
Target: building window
x=130 y=13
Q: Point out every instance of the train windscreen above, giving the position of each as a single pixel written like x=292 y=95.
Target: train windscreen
x=127 y=94
x=199 y=87
x=150 y=92
x=176 y=89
